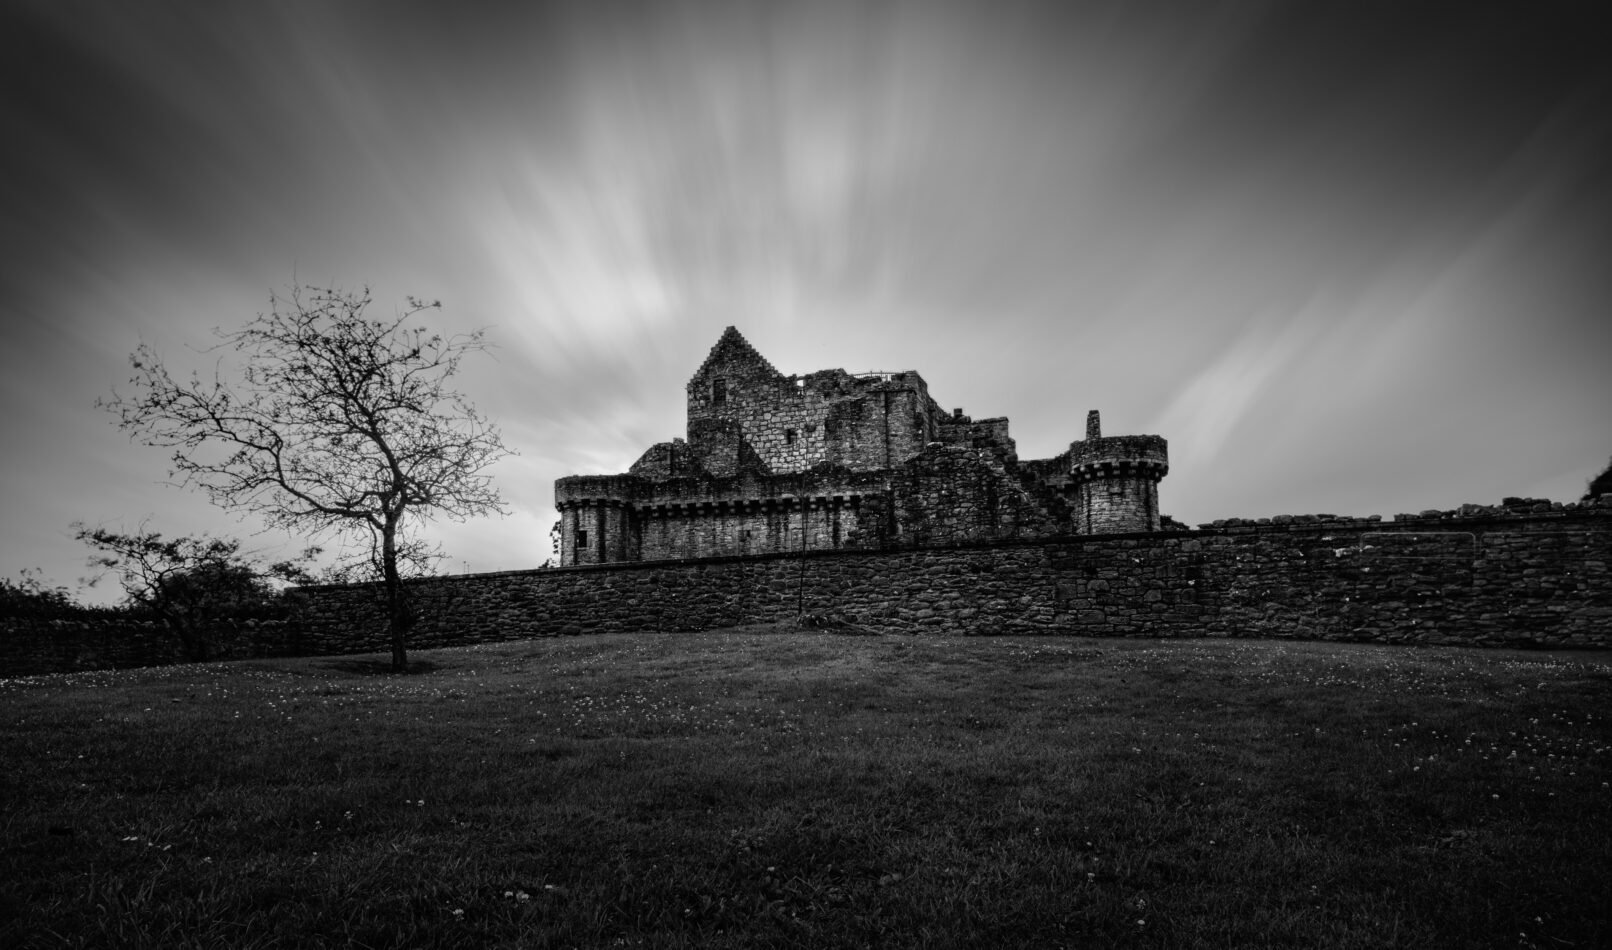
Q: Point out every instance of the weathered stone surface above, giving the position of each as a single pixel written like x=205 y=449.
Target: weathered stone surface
x=1497 y=579
x=835 y=461
x=1514 y=575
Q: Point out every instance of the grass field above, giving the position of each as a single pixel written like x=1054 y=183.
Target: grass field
x=770 y=788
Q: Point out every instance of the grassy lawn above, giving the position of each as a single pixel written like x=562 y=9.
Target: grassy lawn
x=767 y=788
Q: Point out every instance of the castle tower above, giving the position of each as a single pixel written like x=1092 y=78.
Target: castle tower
x=598 y=524
x=1116 y=480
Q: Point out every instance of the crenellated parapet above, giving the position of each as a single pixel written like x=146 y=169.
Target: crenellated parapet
x=589 y=489
x=1120 y=455
x=745 y=507
x=778 y=524
x=613 y=518
x=831 y=460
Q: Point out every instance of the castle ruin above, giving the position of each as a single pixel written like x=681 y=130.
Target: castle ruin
x=835 y=460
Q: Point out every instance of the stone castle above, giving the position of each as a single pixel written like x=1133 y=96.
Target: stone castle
x=836 y=460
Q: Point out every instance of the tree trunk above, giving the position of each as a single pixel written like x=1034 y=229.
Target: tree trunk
x=191 y=639
x=397 y=609
x=187 y=631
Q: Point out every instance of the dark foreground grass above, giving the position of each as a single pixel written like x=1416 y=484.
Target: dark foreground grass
x=761 y=788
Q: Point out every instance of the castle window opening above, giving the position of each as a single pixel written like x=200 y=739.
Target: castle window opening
x=719 y=391
x=582 y=538
x=789 y=436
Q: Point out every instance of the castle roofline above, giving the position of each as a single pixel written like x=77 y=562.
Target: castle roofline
x=732 y=346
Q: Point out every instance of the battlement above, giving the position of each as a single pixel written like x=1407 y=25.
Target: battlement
x=595 y=489
x=1093 y=458
x=833 y=459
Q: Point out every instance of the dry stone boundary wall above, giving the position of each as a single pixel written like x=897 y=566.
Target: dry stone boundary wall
x=1532 y=575
x=1479 y=576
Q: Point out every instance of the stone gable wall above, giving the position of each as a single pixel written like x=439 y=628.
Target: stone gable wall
x=793 y=423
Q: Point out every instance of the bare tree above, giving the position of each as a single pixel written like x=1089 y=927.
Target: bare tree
x=335 y=423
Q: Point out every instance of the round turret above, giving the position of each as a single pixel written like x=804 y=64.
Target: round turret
x=597 y=522
x=1116 y=480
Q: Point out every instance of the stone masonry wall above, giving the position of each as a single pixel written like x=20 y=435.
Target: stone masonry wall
x=748 y=528
x=908 y=473
x=954 y=493
x=1117 y=502
x=1527 y=575
x=1486 y=577
x=793 y=423
x=1118 y=480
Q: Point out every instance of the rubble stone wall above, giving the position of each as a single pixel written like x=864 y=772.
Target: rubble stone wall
x=1488 y=577
x=792 y=423
x=954 y=493
x=943 y=477
x=745 y=528
x=1527 y=575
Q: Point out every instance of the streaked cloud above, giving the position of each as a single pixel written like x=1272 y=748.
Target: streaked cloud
x=1347 y=257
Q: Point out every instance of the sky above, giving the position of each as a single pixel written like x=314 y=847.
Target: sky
x=1347 y=257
